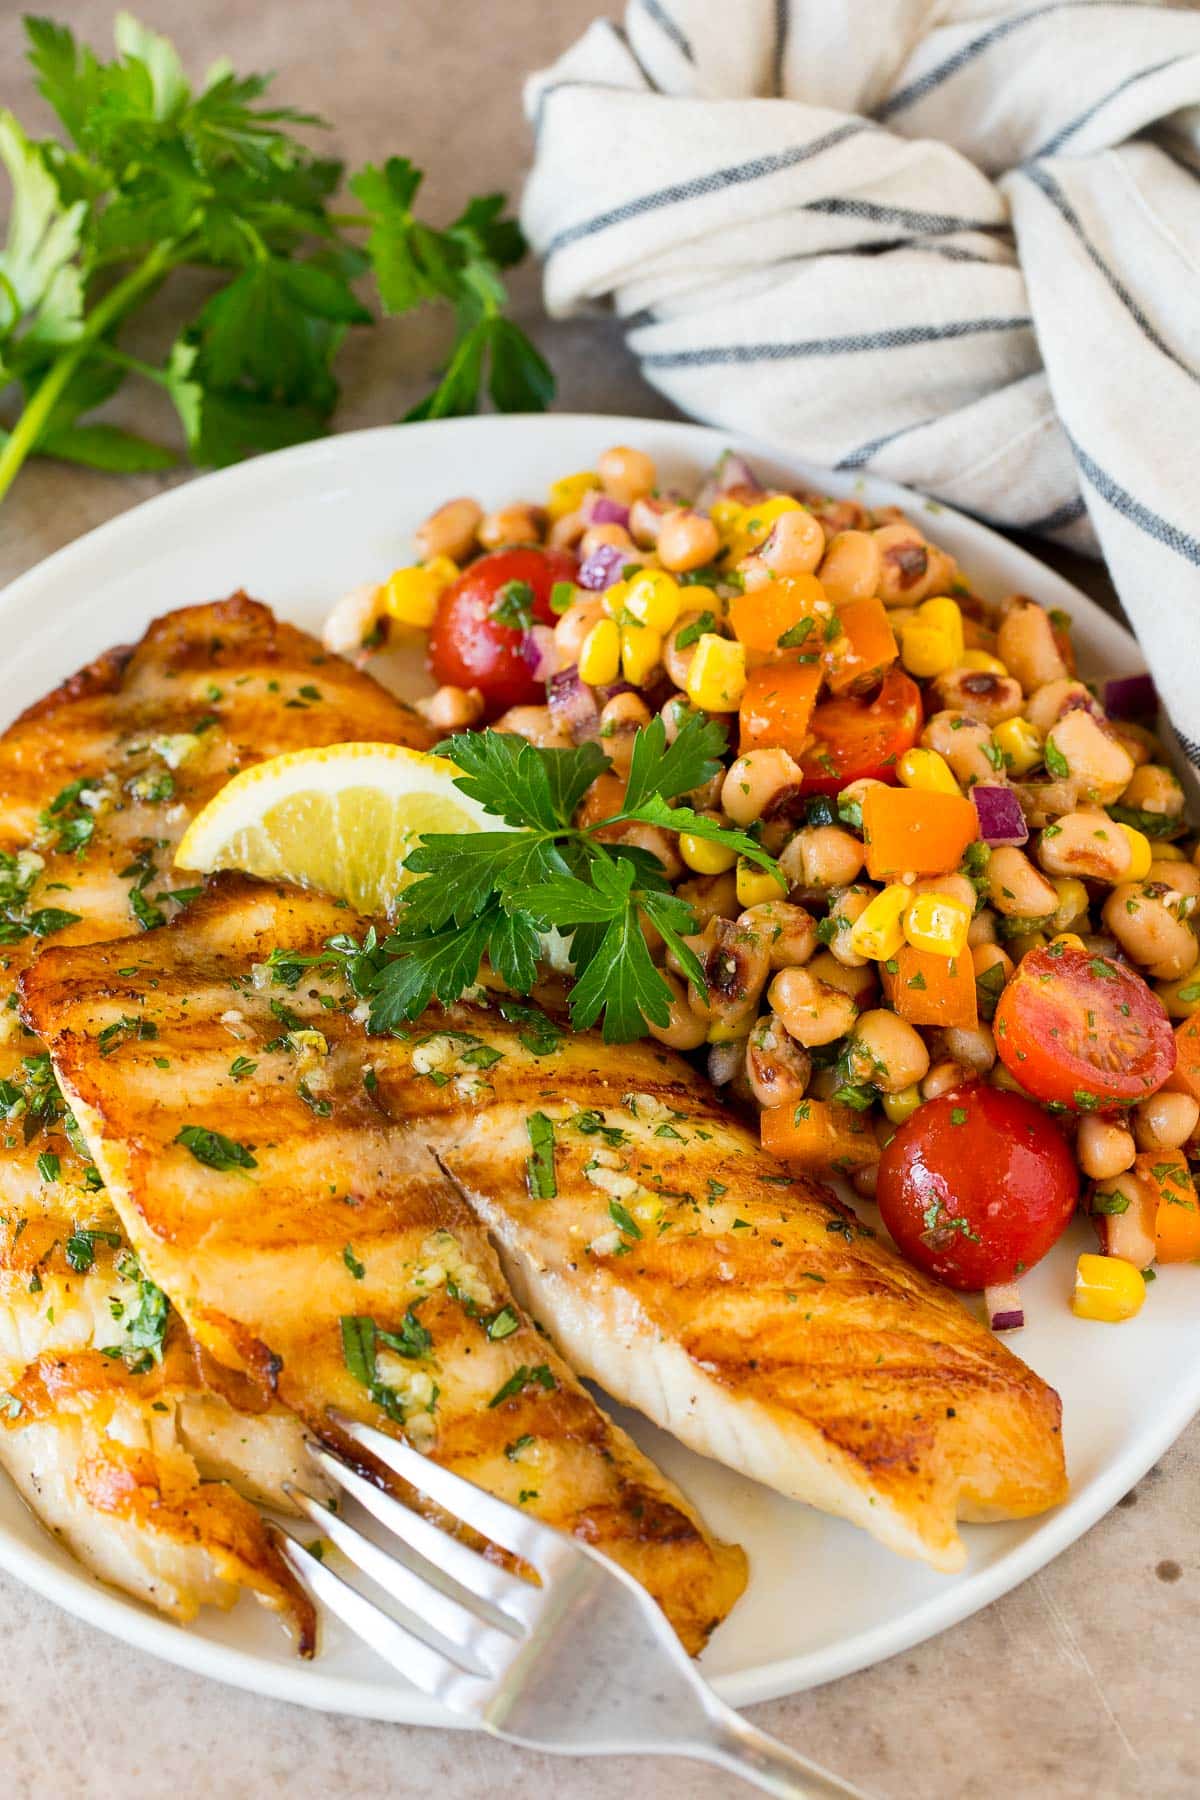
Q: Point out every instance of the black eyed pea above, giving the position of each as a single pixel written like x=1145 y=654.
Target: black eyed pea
x=794 y=545
x=865 y=1180
x=1153 y=789
x=516 y=524
x=981 y=695
x=645 y=519
x=988 y=956
x=1103 y=1149
x=1165 y=1121
x=966 y=745
x=1026 y=646
x=621 y=718
x=351 y=625
x=1015 y=888
x=626 y=474
x=862 y=984
x=852 y=566
x=711 y=896
x=1047 y=704
x=685 y=1029
x=820 y=857
x=789 y=933
x=662 y=844
x=610 y=536
x=1181 y=877
x=758 y=784
x=1150 y=930
x=574 y=625
x=735 y=968
x=845 y=906
x=1100 y=767
x=676 y=711
x=886 y=1052
x=727 y=1067
x=777 y=1067
x=452 y=708
x=971 y=1046
x=1085 y=843
x=910 y=567
x=943 y=1078
x=677 y=658
x=1073 y=902
x=953 y=885
x=687 y=540
x=537 y=724
x=450 y=531
x=810 y=1010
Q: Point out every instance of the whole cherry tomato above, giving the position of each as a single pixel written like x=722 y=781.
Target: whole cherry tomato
x=976 y=1186
x=477 y=638
x=1082 y=1030
x=854 y=738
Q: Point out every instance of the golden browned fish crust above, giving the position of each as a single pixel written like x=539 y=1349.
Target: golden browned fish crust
x=674 y=1260
x=339 y=1269
x=97 y=782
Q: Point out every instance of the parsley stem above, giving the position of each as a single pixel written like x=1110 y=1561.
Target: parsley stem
x=22 y=440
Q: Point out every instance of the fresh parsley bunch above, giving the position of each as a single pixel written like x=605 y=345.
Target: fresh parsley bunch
x=491 y=893
x=155 y=176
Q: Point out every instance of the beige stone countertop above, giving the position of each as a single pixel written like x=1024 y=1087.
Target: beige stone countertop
x=1082 y=1683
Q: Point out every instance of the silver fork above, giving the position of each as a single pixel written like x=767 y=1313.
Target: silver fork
x=585 y=1664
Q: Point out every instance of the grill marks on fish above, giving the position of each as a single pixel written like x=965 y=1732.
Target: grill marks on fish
x=338 y=1268
x=99 y=779
x=673 y=1260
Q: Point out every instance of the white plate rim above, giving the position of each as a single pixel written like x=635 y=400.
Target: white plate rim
x=79 y=1593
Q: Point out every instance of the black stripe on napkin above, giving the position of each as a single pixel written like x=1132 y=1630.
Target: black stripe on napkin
x=900 y=337
x=654 y=9
x=1136 y=511
x=1077 y=124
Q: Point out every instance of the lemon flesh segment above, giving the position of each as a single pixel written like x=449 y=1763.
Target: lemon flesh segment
x=340 y=819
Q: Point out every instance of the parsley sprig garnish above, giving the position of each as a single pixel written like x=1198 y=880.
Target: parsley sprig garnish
x=153 y=176
x=490 y=893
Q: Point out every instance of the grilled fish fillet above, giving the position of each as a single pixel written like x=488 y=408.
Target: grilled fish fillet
x=673 y=1260
x=146 y=1476
x=315 y=1248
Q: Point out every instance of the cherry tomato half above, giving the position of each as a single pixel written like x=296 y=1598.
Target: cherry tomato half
x=470 y=642
x=854 y=738
x=1083 y=1031
x=976 y=1186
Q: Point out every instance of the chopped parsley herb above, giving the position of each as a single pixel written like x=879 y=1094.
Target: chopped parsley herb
x=240 y=1067
x=695 y=630
x=123 y=1029
x=513 y=606
x=1111 y=1203
x=513 y=1451
x=562 y=595
x=359 y=1353
x=623 y=1220
x=591 y=1122
x=958 y=1115
x=81 y=1246
x=795 y=635
x=502 y=1324
x=1056 y=762
x=357 y=1269
x=413 y=1340
x=539 y=1167
x=520 y=1379
x=49 y=1166
x=214 y=1149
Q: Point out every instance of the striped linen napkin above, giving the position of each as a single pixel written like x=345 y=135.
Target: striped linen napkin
x=954 y=242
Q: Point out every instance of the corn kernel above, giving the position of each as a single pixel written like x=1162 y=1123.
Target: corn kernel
x=903 y=1105
x=756 y=886
x=754 y=526
x=410 y=595
x=654 y=599
x=726 y=515
x=717 y=676
x=613 y=599
x=724 y=1031
x=1072 y=902
x=1169 y=853
x=1107 y=1288
x=926 y=770
x=945 y=615
x=702 y=856
x=979 y=662
x=926 y=651
x=1143 y=855
x=569 y=492
x=1020 y=744
x=1070 y=940
x=938 y=923
x=641 y=653
x=877 y=932
x=600 y=653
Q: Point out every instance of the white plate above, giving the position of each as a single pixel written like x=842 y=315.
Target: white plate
x=298 y=528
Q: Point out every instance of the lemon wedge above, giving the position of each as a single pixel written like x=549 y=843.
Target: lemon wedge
x=341 y=819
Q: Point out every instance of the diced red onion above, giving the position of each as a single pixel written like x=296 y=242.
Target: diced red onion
x=1004 y=1309
x=572 y=703
x=598 y=509
x=1131 y=697
x=732 y=471
x=541 y=652
x=602 y=567
x=1001 y=820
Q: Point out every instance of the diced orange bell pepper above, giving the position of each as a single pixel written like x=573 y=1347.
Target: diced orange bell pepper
x=777 y=706
x=864 y=650
x=1177 y=1218
x=763 y=615
x=931 y=990
x=820 y=1137
x=1185 y=1077
x=914 y=829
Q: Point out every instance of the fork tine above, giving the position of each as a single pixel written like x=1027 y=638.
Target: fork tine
x=439 y=1612
x=428 y=1669
x=481 y=1579
x=516 y=1531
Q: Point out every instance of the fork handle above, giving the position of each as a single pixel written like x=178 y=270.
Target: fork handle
x=766 y=1763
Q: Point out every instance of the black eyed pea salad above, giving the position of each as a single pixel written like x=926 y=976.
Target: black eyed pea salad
x=921 y=898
